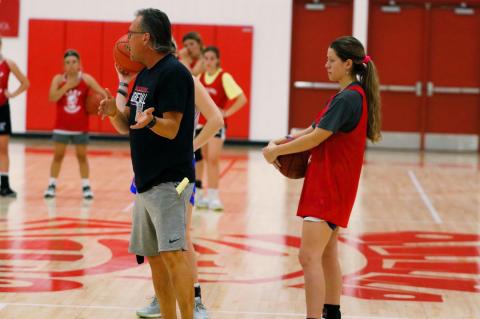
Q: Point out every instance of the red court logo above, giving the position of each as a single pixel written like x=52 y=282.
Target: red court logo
x=394 y=267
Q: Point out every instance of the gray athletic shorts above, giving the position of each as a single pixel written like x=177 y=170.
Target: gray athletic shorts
x=67 y=138
x=159 y=217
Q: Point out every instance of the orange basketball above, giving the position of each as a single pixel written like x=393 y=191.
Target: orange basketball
x=294 y=165
x=121 y=55
x=93 y=102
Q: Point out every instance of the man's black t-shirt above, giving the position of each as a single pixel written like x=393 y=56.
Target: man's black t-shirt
x=167 y=87
x=344 y=112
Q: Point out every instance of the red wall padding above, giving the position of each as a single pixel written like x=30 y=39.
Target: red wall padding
x=236 y=58
x=45 y=49
x=94 y=41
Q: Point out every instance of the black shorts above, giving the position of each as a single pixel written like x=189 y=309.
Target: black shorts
x=220 y=134
x=5 y=121
x=315 y=219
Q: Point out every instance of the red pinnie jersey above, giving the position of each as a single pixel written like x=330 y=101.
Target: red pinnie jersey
x=216 y=92
x=332 y=176
x=4 y=74
x=71 y=112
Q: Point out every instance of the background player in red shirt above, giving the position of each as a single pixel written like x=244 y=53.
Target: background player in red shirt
x=7 y=66
x=191 y=55
x=69 y=90
x=337 y=142
x=222 y=88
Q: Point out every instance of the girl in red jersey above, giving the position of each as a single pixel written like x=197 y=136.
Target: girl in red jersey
x=191 y=53
x=7 y=66
x=337 y=141
x=69 y=90
x=222 y=88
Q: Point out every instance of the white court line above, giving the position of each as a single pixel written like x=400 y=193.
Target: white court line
x=129 y=207
x=424 y=196
x=251 y=313
x=2 y=305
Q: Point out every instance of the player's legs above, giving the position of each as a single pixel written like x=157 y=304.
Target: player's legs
x=315 y=237
x=215 y=146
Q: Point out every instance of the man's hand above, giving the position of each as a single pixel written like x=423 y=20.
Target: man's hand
x=124 y=76
x=143 y=118
x=108 y=106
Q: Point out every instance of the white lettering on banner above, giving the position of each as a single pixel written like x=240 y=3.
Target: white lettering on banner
x=138 y=100
x=3 y=126
x=72 y=101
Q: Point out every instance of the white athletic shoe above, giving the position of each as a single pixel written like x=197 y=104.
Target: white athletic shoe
x=50 y=191
x=87 y=192
x=199 y=310
x=215 y=204
x=150 y=311
x=153 y=310
x=201 y=201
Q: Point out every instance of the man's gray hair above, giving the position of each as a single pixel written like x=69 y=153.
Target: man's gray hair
x=157 y=24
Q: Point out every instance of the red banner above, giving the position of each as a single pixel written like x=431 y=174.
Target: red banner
x=9 y=13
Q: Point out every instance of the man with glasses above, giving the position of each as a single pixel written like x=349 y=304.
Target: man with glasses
x=159 y=117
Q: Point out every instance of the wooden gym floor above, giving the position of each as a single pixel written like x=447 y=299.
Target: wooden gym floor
x=412 y=249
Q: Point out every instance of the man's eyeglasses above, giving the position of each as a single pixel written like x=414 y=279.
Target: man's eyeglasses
x=130 y=33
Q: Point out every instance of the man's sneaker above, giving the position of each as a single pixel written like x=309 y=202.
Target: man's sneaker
x=215 y=204
x=8 y=192
x=199 y=310
x=87 y=192
x=50 y=192
x=150 y=311
x=201 y=201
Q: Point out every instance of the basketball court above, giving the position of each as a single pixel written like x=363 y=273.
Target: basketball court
x=412 y=246
x=411 y=249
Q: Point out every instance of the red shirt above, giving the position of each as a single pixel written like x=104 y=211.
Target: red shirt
x=216 y=92
x=192 y=64
x=332 y=176
x=71 y=112
x=4 y=74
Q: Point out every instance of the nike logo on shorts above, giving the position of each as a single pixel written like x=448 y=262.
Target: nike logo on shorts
x=171 y=241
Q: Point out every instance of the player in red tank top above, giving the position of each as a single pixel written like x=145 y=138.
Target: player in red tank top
x=7 y=66
x=191 y=55
x=337 y=142
x=69 y=90
x=223 y=89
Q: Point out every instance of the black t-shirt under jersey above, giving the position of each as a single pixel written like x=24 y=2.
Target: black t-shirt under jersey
x=167 y=87
x=344 y=112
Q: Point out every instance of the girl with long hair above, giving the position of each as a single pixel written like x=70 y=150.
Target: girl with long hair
x=337 y=141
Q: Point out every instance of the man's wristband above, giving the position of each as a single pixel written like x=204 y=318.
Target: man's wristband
x=125 y=84
x=122 y=92
x=152 y=122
